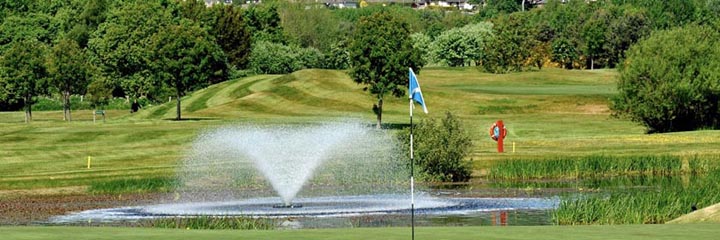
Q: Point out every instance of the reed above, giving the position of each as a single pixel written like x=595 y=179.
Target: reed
x=597 y=166
x=210 y=222
x=134 y=185
x=654 y=205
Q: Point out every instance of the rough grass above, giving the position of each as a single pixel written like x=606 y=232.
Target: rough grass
x=138 y=185
x=599 y=166
x=210 y=222
x=630 y=232
x=657 y=204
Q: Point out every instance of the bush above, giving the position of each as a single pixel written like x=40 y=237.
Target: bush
x=462 y=46
x=440 y=149
x=671 y=81
x=276 y=58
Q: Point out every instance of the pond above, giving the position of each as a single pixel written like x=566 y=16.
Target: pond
x=478 y=203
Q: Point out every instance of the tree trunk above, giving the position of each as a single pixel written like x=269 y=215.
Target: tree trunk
x=66 y=106
x=592 y=63
x=379 y=113
x=28 y=109
x=178 y=106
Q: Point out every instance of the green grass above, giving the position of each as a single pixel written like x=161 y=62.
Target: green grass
x=552 y=113
x=657 y=204
x=205 y=222
x=599 y=166
x=138 y=185
x=629 y=232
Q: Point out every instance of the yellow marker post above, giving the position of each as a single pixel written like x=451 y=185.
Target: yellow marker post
x=513 y=147
x=89 y=159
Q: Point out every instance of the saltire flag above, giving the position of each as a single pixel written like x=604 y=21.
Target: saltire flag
x=414 y=92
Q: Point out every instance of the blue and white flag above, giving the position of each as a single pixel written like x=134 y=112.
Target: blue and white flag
x=415 y=93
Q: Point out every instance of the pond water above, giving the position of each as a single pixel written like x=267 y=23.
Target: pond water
x=479 y=203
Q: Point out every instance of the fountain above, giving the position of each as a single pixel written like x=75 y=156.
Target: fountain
x=326 y=170
x=348 y=156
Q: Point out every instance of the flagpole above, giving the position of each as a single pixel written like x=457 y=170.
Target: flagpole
x=412 y=173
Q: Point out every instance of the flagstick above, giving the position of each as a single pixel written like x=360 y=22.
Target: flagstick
x=412 y=170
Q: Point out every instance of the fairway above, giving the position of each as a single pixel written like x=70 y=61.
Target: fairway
x=629 y=232
x=552 y=112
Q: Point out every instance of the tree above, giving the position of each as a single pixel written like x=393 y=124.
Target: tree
x=625 y=31
x=565 y=22
x=276 y=58
x=68 y=71
x=424 y=44
x=463 y=46
x=381 y=53
x=121 y=46
x=99 y=92
x=232 y=34
x=23 y=73
x=669 y=81
x=186 y=58
x=18 y=28
x=265 y=24
x=315 y=27
x=510 y=47
x=593 y=33
x=564 y=52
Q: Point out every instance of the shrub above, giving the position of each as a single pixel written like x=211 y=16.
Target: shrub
x=462 y=46
x=441 y=148
x=276 y=58
x=671 y=81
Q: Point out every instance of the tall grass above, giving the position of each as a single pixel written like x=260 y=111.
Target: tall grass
x=595 y=166
x=614 y=182
x=656 y=205
x=134 y=185
x=209 y=222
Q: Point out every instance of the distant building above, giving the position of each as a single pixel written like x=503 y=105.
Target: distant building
x=211 y=2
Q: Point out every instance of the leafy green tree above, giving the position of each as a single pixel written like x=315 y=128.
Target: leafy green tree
x=121 y=46
x=624 y=31
x=186 y=58
x=276 y=58
x=381 y=53
x=338 y=57
x=94 y=12
x=594 y=32
x=564 y=52
x=496 y=8
x=463 y=46
x=232 y=34
x=708 y=12
x=423 y=43
x=565 y=21
x=668 y=14
x=23 y=73
x=314 y=27
x=18 y=28
x=441 y=148
x=510 y=47
x=669 y=81
x=265 y=23
x=99 y=92
x=68 y=70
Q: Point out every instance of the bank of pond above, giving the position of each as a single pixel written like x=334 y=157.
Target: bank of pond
x=616 y=189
